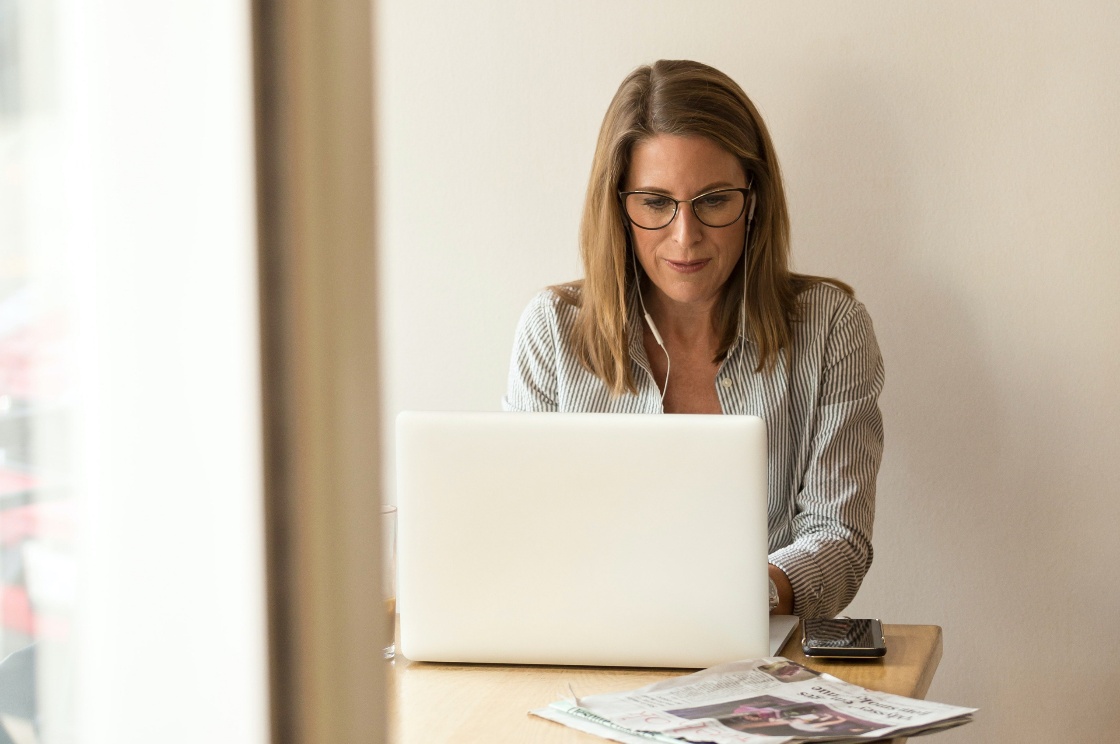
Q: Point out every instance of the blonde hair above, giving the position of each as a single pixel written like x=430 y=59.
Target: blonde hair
x=683 y=98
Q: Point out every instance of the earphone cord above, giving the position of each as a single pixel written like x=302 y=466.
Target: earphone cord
x=649 y=320
x=746 y=246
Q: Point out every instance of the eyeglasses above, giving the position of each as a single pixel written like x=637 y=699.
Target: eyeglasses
x=652 y=211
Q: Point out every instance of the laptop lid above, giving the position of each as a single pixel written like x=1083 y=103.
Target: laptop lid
x=598 y=539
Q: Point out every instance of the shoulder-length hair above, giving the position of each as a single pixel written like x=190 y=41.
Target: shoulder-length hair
x=683 y=98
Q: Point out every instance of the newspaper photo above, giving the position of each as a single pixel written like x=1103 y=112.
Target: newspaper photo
x=763 y=700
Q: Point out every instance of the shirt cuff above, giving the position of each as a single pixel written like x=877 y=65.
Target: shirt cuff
x=805 y=576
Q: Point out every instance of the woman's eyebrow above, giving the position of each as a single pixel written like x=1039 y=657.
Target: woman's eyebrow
x=706 y=189
x=717 y=185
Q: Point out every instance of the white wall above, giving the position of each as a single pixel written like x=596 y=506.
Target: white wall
x=956 y=163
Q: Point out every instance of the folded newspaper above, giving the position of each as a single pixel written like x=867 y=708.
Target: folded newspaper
x=753 y=702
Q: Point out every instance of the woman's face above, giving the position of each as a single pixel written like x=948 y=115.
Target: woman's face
x=687 y=261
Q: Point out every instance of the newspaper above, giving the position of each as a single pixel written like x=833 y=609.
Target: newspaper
x=760 y=701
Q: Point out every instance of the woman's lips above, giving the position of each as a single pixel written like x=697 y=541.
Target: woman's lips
x=687 y=267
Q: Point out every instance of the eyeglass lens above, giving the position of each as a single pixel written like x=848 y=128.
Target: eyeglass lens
x=654 y=211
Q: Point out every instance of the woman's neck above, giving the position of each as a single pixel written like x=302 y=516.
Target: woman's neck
x=688 y=326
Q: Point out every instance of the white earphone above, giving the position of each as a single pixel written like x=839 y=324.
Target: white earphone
x=649 y=320
x=653 y=327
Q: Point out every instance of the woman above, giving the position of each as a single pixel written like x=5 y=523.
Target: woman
x=688 y=305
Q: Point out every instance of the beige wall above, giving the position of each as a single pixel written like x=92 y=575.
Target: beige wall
x=958 y=165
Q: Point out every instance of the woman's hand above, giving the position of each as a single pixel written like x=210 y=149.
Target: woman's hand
x=785 y=591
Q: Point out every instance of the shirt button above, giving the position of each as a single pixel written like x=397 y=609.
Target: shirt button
x=726 y=382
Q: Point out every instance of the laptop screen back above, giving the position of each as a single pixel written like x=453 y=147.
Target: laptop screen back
x=602 y=539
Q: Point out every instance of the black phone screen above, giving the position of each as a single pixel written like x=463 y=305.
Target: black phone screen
x=844 y=637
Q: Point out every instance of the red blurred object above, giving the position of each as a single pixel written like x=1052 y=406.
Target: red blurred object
x=15 y=608
x=15 y=481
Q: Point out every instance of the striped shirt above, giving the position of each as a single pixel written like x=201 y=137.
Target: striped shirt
x=824 y=429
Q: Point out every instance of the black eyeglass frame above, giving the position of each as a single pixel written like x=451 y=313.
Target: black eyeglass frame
x=746 y=192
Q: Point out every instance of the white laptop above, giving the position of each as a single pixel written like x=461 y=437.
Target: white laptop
x=587 y=539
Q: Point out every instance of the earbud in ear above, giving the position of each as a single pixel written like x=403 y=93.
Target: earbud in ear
x=750 y=214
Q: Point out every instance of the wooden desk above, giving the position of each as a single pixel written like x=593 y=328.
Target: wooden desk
x=490 y=703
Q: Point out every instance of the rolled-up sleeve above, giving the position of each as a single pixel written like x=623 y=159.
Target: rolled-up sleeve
x=532 y=384
x=835 y=505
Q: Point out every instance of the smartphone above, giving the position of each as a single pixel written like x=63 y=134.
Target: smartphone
x=843 y=639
